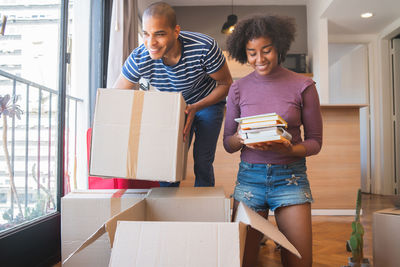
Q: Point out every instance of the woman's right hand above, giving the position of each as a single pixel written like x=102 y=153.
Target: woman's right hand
x=282 y=148
x=236 y=142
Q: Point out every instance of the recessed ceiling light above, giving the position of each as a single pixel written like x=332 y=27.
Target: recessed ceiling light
x=366 y=15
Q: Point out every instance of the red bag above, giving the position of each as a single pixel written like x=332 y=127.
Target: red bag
x=114 y=183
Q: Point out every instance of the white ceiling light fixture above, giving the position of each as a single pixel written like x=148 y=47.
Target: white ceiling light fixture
x=366 y=15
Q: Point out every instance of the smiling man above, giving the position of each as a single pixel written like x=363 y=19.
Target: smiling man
x=188 y=62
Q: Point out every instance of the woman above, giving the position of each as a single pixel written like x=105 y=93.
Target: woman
x=272 y=176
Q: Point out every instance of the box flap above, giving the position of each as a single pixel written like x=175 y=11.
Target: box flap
x=242 y=238
x=393 y=211
x=136 y=212
x=171 y=244
x=246 y=215
x=88 y=241
x=82 y=213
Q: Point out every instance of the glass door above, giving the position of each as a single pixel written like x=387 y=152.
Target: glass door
x=30 y=114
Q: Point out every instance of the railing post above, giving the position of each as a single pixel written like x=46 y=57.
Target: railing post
x=26 y=145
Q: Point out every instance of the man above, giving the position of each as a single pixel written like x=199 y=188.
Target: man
x=186 y=62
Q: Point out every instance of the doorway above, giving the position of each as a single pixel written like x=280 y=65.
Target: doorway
x=395 y=74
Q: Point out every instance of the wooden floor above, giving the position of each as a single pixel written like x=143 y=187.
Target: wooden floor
x=330 y=234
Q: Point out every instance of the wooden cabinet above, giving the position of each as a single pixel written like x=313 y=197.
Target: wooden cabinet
x=334 y=173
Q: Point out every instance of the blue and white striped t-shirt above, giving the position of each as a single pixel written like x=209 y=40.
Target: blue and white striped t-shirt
x=200 y=56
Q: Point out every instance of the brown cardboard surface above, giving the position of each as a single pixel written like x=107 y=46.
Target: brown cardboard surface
x=177 y=236
x=252 y=218
x=138 y=135
x=176 y=244
x=190 y=203
x=84 y=211
x=386 y=238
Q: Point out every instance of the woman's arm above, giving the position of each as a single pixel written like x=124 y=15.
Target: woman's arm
x=312 y=125
x=232 y=141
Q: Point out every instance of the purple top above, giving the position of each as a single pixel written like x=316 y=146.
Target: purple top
x=293 y=96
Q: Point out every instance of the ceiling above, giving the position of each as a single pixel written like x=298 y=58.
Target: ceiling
x=343 y=16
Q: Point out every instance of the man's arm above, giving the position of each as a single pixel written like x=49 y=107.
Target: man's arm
x=224 y=81
x=124 y=83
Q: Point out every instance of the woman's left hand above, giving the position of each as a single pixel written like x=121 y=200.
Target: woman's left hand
x=283 y=148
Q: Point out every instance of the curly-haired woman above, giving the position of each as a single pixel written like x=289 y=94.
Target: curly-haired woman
x=272 y=176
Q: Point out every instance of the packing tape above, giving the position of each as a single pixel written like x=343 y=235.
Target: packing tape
x=134 y=134
x=115 y=206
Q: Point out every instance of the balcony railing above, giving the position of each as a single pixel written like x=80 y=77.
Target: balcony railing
x=32 y=146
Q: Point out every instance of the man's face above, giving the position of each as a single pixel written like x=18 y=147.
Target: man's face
x=159 y=37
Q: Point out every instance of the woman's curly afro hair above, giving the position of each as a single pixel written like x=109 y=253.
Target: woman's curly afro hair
x=280 y=30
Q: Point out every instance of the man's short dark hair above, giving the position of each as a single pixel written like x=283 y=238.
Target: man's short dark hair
x=281 y=31
x=161 y=9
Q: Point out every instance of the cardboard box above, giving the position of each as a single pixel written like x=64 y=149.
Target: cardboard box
x=82 y=212
x=183 y=227
x=386 y=237
x=138 y=135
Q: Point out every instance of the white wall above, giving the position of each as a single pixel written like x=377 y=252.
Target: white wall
x=317 y=40
x=348 y=84
x=80 y=87
x=348 y=74
x=209 y=20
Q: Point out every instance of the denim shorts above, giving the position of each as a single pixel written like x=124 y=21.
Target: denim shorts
x=270 y=186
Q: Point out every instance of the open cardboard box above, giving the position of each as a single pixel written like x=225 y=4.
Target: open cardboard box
x=83 y=212
x=138 y=135
x=183 y=227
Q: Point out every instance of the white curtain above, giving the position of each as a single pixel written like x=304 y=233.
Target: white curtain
x=123 y=36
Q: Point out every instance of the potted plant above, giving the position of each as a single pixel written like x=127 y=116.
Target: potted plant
x=355 y=244
x=8 y=108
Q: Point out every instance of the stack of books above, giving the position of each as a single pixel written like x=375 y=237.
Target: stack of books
x=263 y=128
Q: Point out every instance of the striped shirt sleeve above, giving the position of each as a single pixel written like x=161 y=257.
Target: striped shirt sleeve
x=130 y=69
x=214 y=59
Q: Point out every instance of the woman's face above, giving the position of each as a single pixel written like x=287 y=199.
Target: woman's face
x=262 y=55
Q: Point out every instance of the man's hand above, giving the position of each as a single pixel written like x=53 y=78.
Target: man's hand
x=123 y=83
x=190 y=111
